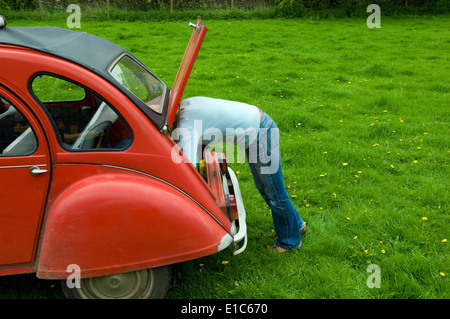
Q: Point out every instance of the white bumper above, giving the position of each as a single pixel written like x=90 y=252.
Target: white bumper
x=239 y=231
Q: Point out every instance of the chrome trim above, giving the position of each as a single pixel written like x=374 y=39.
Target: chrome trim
x=240 y=239
x=23 y=166
x=166 y=182
x=36 y=171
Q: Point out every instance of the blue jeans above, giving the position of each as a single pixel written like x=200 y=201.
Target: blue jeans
x=265 y=164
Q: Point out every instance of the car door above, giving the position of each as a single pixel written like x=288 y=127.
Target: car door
x=25 y=171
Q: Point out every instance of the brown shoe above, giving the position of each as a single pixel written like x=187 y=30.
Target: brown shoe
x=303 y=229
x=276 y=249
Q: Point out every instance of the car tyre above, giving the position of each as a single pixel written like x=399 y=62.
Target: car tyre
x=150 y=283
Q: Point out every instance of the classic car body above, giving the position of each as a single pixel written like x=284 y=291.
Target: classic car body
x=87 y=174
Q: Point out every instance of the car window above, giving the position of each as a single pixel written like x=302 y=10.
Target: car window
x=140 y=82
x=16 y=136
x=50 y=88
x=82 y=120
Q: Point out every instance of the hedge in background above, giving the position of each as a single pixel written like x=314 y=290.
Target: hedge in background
x=224 y=9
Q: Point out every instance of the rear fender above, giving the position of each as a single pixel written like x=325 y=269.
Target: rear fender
x=111 y=223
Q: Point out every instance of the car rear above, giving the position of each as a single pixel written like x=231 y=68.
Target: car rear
x=224 y=186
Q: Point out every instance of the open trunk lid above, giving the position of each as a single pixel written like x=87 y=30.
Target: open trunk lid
x=185 y=69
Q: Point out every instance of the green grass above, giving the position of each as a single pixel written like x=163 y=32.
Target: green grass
x=376 y=99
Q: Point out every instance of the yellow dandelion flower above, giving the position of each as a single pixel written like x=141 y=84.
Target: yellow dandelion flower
x=383 y=251
x=355 y=237
x=321 y=175
x=334 y=194
x=348 y=218
x=224 y=262
x=442 y=274
x=356 y=176
x=424 y=218
x=376 y=144
x=366 y=251
x=444 y=240
x=344 y=164
x=237 y=172
x=359 y=172
x=294 y=196
x=415 y=161
x=392 y=166
x=307 y=205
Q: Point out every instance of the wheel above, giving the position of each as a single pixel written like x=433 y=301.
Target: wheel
x=143 y=284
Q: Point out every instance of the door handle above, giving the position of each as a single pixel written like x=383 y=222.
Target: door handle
x=36 y=170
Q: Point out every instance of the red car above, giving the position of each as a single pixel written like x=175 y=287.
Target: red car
x=92 y=186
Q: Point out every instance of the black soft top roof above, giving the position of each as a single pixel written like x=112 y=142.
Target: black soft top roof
x=87 y=50
x=82 y=48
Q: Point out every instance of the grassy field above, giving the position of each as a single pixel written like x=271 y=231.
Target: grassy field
x=364 y=120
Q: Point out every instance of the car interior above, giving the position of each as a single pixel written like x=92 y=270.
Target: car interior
x=16 y=135
x=82 y=120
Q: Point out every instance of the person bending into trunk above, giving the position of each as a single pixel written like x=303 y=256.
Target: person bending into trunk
x=202 y=120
